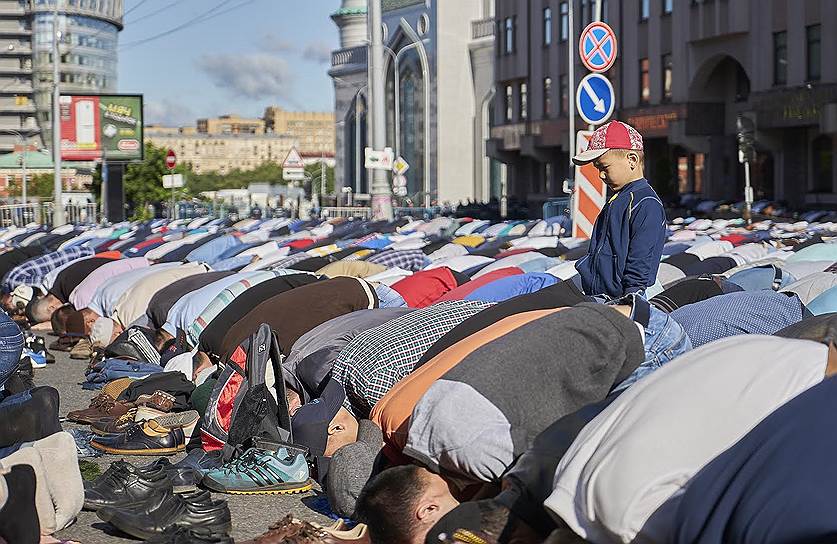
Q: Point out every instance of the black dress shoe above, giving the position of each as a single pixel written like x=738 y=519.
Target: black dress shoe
x=121 y=489
x=187 y=473
x=210 y=517
x=164 y=435
x=124 y=467
x=181 y=535
x=18 y=517
x=162 y=500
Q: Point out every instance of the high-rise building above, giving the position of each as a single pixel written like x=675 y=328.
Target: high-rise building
x=439 y=81
x=684 y=72
x=88 y=64
x=313 y=130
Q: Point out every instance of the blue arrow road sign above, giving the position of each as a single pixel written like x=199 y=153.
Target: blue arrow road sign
x=595 y=99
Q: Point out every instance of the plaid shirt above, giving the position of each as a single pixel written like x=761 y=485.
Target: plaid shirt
x=410 y=259
x=376 y=359
x=287 y=262
x=32 y=272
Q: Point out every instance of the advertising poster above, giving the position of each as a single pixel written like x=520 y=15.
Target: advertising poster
x=93 y=126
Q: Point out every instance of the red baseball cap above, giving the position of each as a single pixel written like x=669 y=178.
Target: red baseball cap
x=614 y=135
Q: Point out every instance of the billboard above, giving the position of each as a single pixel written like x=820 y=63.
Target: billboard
x=97 y=125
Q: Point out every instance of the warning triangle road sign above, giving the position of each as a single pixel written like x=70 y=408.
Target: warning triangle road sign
x=293 y=160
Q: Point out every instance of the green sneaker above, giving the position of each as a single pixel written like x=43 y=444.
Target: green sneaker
x=259 y=472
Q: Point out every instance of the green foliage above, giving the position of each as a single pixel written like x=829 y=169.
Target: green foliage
x=39 y=185
x=143 y=181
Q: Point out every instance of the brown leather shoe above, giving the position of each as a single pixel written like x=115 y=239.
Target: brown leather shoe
x=102 y=406
x=82 y=351
x=290 y=529
x=159 y=400
x=114 y=425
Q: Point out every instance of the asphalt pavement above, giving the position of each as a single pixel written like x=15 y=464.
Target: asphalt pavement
x=251 y=514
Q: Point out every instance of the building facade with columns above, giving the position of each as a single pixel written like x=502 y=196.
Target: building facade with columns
x=685 y=70
x=439 y=80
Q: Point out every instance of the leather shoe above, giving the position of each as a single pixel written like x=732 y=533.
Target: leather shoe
x=102 y=406
x=162 y=500
x=211 y=517
x=161 y=436
x=187 y=473
x=125 y=486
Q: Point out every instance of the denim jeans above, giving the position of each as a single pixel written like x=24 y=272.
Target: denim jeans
x=11 y=346
x=665 y=339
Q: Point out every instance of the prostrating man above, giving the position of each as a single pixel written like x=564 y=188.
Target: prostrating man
x=32 y=271
x=367 y=368
x=643 y=449
x=472 y=423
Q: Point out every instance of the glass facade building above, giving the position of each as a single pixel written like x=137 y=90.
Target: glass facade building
x=88 y=61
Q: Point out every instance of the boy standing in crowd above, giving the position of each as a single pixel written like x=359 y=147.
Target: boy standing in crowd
x=629 y=234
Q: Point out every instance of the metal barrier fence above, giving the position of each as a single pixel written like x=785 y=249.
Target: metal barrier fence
x=556 y=206
x=417 y=213
x=41 y=213
x=330 y=212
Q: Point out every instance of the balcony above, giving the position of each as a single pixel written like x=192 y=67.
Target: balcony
x=351 y=55
x=484 y=28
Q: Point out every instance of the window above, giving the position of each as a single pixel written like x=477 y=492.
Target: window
x=667 y=6
x=644 y=9
x=509 y=98
x=565 y=21
x=644 y=82
x=780 y=58
x=499 y=34
x=812 y=36
x=565 y=95
x=509 y=36
x=822 y=158
x=524 y=101
x=547 y=96
x=547 y=26
x=667 y=78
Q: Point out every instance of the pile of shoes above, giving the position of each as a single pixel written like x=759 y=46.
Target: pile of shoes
x=141 y=502
x=145 y=426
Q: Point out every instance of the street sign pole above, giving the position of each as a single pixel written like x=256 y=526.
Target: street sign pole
x=381 y=195
x=571 y=85
x=171 y=162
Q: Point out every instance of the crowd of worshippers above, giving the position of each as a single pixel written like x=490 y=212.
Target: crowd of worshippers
x=443 y=380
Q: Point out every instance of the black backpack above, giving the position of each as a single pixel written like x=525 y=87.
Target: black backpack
x=241 y=409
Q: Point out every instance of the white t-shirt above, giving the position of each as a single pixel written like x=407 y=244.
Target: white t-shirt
x=644 y=447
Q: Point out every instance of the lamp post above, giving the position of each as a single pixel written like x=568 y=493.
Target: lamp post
x=58 y=200
x=381 y=192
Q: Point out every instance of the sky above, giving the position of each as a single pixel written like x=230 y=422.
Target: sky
x=263 y=52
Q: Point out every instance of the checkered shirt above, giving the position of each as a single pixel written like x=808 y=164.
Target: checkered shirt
x=376 y=359
x=409 y=259
x=32 y=272
x=288 y=262
x=362 y=239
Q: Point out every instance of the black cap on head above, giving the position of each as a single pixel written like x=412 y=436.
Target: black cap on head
x=310 y=422
x=467 y=515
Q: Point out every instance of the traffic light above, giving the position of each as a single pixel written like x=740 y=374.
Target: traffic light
x=746 y=138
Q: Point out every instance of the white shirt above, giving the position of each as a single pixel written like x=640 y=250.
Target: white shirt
x=644 y=447
x=106 y=296
x=706 y=250
x=460 y=263
x=511 y=260
x=189 y=306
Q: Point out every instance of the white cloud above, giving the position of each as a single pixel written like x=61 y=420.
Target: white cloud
x=255 y=76
x=319 y=52
x=167 y=112
x=275 y=44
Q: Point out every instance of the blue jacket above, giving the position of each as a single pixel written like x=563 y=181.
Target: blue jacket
x=626 y=244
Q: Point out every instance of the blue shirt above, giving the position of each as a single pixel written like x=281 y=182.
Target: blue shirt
x=626 y=244
x=743 y=312
x=211 y=251
x=32 y=271
x=512 y=286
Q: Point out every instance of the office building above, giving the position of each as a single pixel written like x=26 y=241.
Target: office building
x=230 y=124
x=88 y=61
x=685 y=70
x=312 y=129
x=222 y=153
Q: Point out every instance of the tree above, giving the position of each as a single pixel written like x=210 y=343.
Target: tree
x=143 y=181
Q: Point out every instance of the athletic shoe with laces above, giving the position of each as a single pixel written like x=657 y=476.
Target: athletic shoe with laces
x=259 y=471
